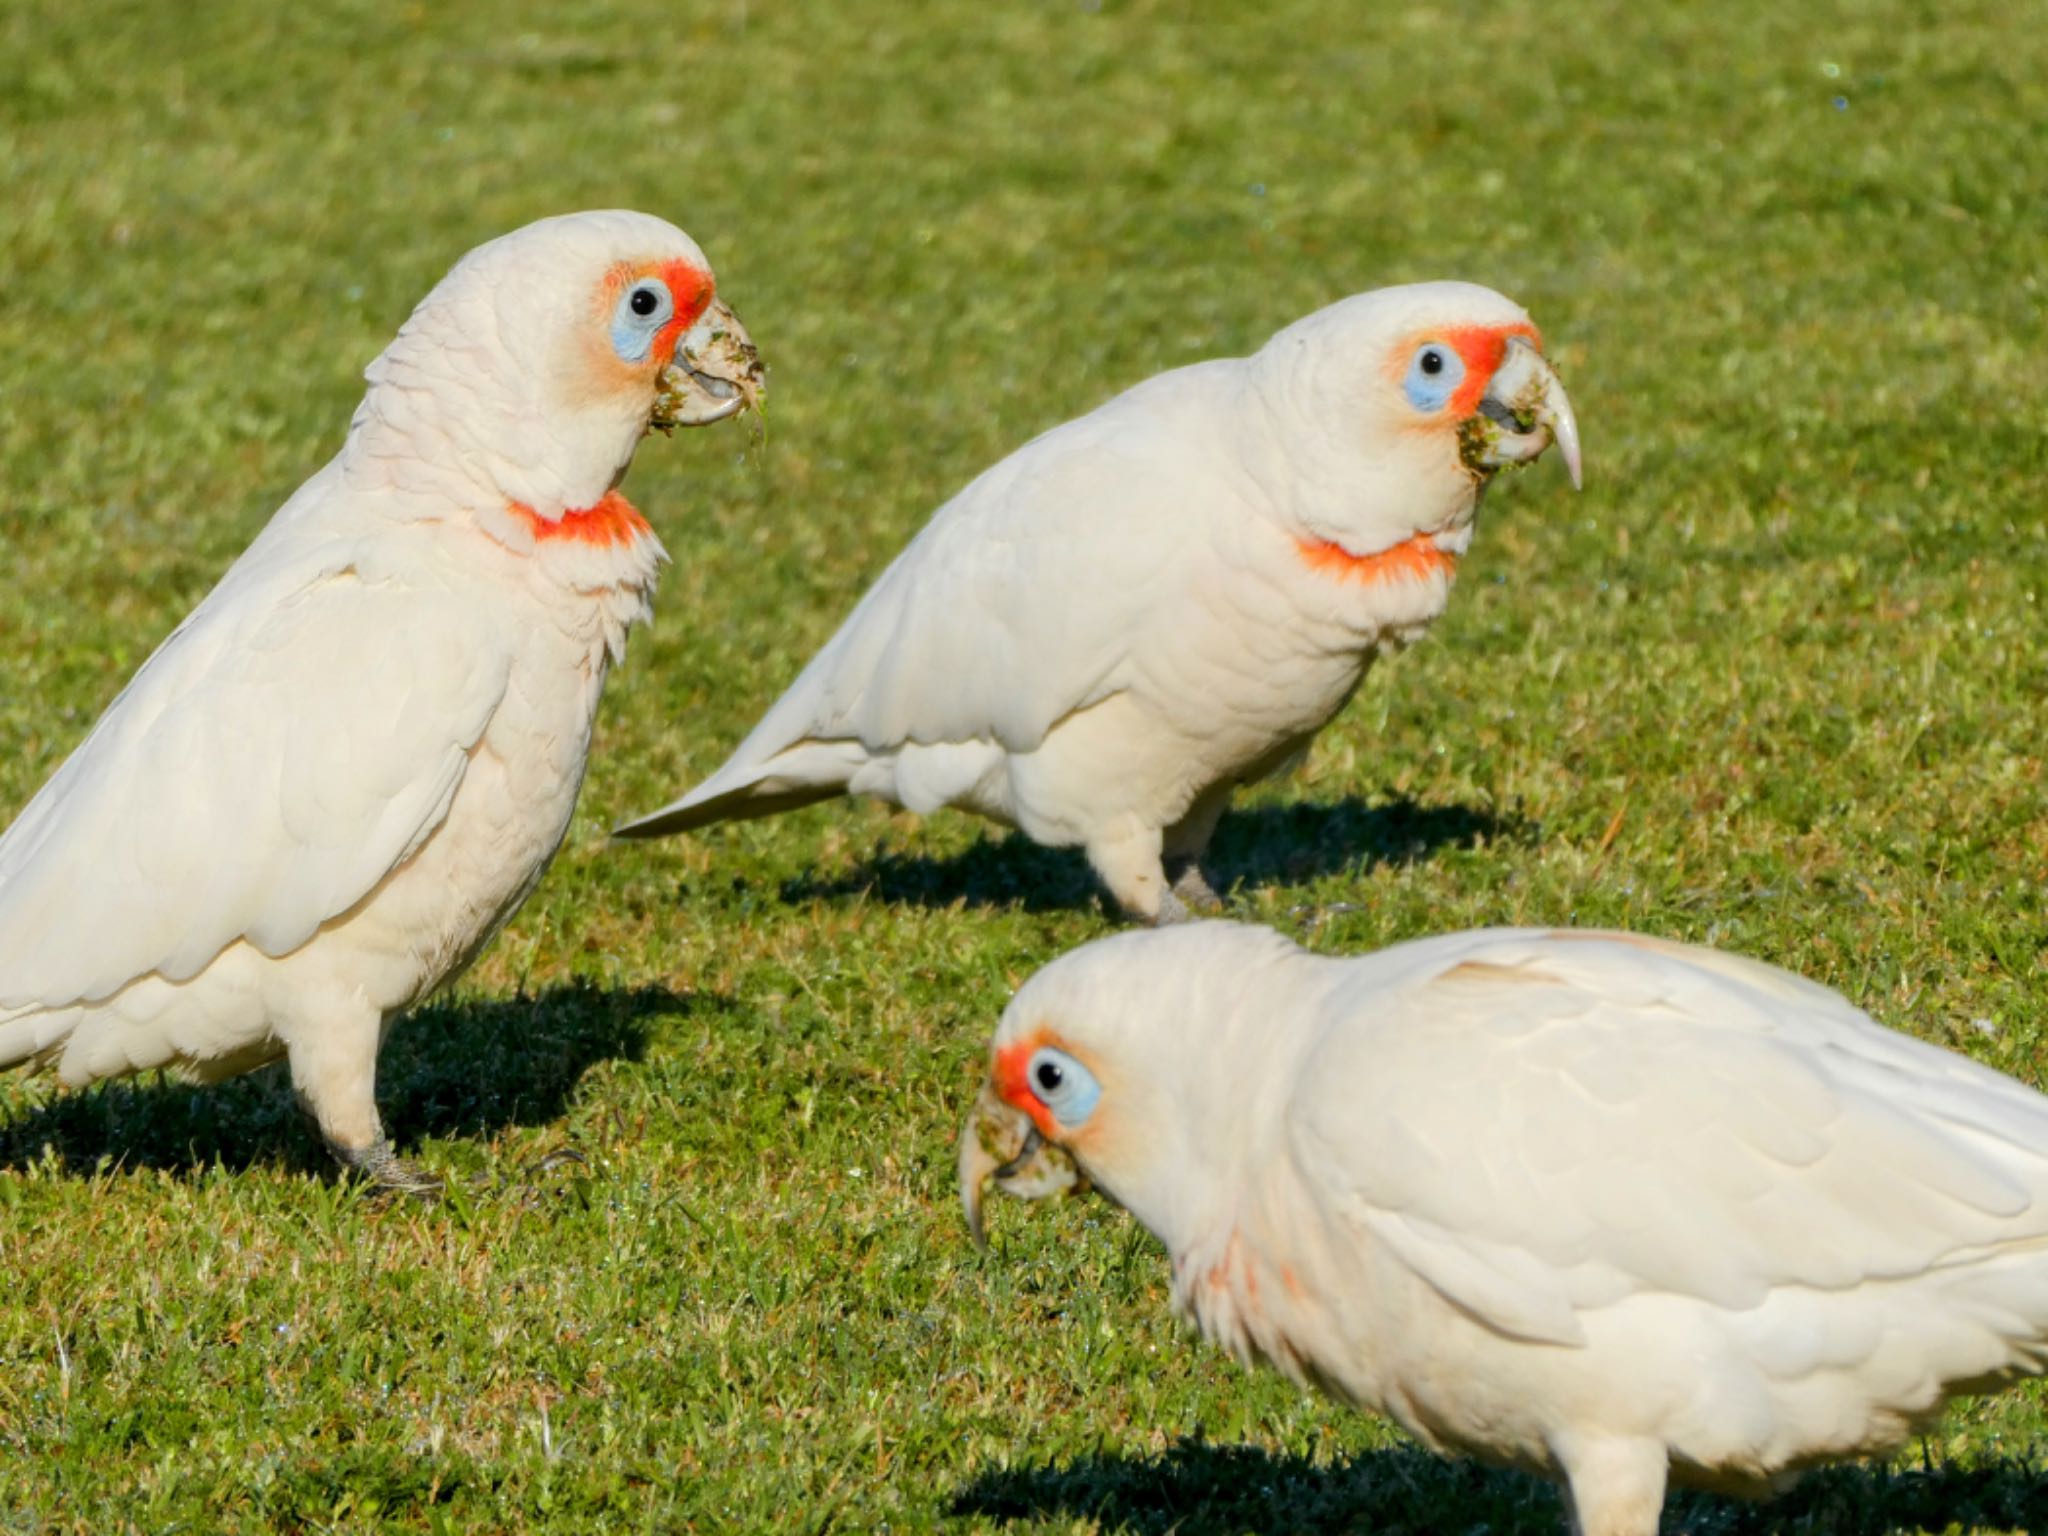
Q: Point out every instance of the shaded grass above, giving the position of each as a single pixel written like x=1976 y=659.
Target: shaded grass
x=1197 y=1489
x=1773 y=682
x=454 y=1069
x=1256 y=847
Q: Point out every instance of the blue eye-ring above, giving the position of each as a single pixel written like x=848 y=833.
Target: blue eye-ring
x=1434 y=374
x=1063 y=1085
x=642 y=311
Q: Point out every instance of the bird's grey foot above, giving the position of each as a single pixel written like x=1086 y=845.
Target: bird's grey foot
x=385 y=1168
x=562 y=1174
x=1192 y=888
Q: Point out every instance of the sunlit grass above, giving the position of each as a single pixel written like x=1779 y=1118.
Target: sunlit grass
x=1774 y=681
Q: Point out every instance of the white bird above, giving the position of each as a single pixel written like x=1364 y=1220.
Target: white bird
x=1103 y=636
x=350 y=764
x=1607 y=1208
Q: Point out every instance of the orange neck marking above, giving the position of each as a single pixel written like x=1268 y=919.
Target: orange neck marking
x=1415 y=558
x=613 y=521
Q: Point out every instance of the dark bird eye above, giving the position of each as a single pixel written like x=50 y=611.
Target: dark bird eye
x=1063 y=1085
x=1432 y=361
x=644 y=302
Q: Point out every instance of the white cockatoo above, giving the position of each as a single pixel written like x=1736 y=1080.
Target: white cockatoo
x=1608 y=1208
x=351 y=763
x=1104 y=635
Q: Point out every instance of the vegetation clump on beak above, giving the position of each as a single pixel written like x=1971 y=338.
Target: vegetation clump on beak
x=716 y=373
x=1000 y=1143
x=1525 y=410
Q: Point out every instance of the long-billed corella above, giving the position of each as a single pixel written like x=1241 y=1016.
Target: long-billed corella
x=1102 y=637
x=1615 y=1210
x=353 y=760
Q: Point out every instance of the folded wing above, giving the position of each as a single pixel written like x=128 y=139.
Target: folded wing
x=1549 y=1123
x=1020 y=603
x=297 y=738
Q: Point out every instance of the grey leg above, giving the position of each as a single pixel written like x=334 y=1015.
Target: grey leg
x=1185 y=842
x=1193 y=890
x=332 y=1051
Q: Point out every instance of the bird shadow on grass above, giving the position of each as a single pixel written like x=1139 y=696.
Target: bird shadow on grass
x=1198 y=1489
x=459 y=1068
x=1263 y=844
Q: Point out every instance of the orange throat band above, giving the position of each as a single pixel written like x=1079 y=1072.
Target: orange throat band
x=1416 y=558
x=613 y=521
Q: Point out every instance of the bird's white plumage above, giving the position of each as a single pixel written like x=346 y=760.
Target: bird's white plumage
x=216 y=778
x=1568 y=1200
x=1117 y=618
x=1017 y=605
x=1624 y=1120
x=329 y=786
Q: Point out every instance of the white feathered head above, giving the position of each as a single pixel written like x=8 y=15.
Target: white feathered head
x=532 y=370
x=1387 y=413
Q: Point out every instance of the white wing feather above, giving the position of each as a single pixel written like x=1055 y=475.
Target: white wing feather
x=297 y=738
x=1554 y=1122
x=1020 y=603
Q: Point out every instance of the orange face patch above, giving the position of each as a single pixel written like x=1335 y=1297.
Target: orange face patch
x=689 y=287
x=613 y=521
x=1479 y=347
x=1013 y=1081
x=1411 y=559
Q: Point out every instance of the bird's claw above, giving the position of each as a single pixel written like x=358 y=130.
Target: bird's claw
x=533 y=1187
x=1171 y=910
x=548 y=1162
x=382 y=1166
x=1193 y=890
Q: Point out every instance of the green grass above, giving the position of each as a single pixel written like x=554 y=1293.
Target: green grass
x=1773 y=682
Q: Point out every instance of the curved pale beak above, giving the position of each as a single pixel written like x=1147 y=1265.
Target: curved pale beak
x=1000 y=1143
x=1524 y=411
x=716 y=373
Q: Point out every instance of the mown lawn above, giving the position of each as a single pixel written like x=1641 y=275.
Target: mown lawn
x=1772 y=682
